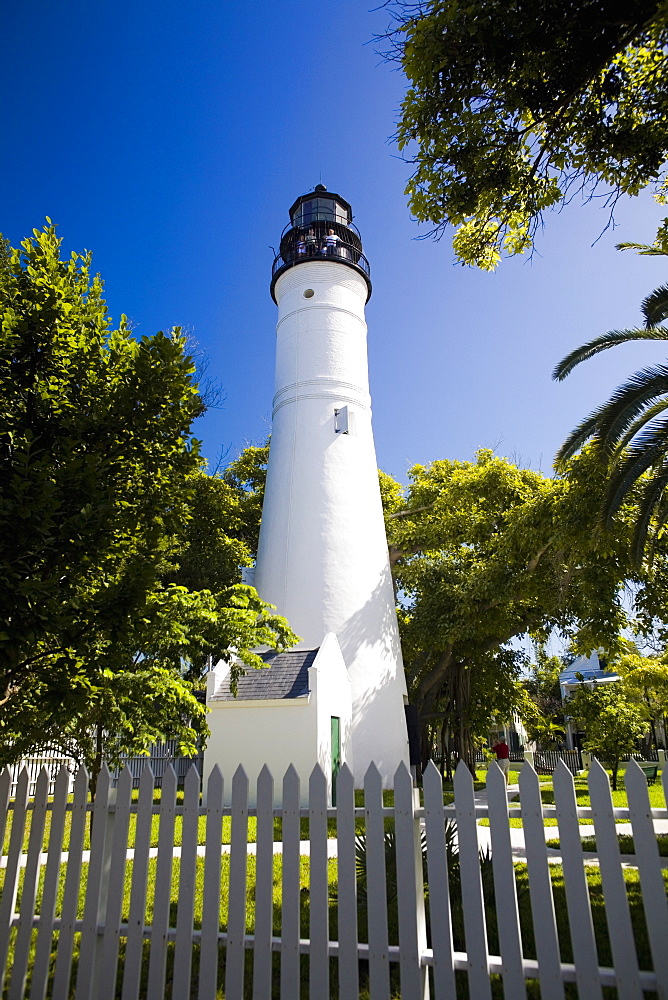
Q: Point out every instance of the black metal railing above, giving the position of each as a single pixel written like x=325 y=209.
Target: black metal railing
x=340 y=252
x=322 y=241
x=545 y=761
x=160 y=756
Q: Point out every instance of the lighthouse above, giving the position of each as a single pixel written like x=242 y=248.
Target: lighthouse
x=322 y=556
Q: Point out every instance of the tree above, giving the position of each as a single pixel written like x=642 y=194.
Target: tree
x=612 y=722
x=213 y=540
x=545 y=726
x=147 y=688
x=630 y=430
x=104 y=513
x=542 y=684
x=515 y=107
x=645 y=681
x=484 y=553
x=247 y=476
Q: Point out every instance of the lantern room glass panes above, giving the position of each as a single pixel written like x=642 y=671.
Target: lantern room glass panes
x=320 y=209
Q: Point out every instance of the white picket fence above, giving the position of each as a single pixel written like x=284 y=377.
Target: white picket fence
x=145 y=945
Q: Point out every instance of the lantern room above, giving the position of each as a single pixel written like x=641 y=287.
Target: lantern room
x=320 y=229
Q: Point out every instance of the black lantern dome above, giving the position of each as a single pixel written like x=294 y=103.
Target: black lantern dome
x=320 y=229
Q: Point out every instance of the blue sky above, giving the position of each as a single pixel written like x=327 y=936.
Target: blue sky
x=170 y=138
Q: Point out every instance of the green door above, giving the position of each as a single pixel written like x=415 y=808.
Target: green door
x=336 y=753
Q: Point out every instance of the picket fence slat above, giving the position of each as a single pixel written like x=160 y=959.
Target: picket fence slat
x=264 y=886
x=108 y=970
x=208 y=959
x=410 y=888
x=318 y=886
x=29 y=894
x=236 y=920
x=290 y=901
x=61 y=978
x=347 y=883
x=134 y=944
x=649 y=870
x=40 y=970
x=94 y=905
x=376 y=882
x=505 y=888
x=186 y=901
x=439 y=887
x=475 y=929
x=540 y=888
x=90 y=922
x=617 y=912
x=163 y=887
x=5 y=791
x=577 y=892
x=11 y=883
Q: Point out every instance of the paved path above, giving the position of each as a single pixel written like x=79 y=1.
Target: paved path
x=304 y=849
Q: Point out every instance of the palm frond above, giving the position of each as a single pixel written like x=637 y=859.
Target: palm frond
x=628 y=402
x=657 y=249
x=576 y=439
x=603 y=343
x=647 y=450
x=660 y=518
x=655 y=306
x=650 y=500
x=649 y=414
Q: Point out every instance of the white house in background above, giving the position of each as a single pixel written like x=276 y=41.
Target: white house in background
x=593 y=669
x=322 y=556
x=513 y=733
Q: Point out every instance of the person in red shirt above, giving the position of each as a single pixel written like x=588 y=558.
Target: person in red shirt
x=502 y=752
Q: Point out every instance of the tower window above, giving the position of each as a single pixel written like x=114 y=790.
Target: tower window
x=309 y=293
x=344 y=421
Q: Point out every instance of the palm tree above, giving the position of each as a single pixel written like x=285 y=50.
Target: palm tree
x=631 y=429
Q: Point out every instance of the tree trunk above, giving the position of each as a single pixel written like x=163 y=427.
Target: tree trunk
x=444 y=748
x=96 y=768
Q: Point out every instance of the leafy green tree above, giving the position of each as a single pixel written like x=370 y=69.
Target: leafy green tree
x=484 y=553
x=514 y=107
x=247 y=476
x=542 y=684
x=95 y=455
x=630 y=430
x=544 y=725
x=611 y=720
x=105 y=515
x=148 y=689
x=645 y=681
x=545 y=732
x=212 y=542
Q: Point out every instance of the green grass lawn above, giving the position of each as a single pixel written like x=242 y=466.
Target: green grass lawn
x=619 y=799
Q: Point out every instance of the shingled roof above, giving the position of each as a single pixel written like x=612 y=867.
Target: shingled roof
x=285 y=676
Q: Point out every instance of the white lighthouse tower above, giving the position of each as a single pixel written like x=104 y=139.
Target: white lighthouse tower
x=322 y=556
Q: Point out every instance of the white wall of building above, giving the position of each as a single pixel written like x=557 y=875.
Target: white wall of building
x=322 y=557
x=280 y=732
